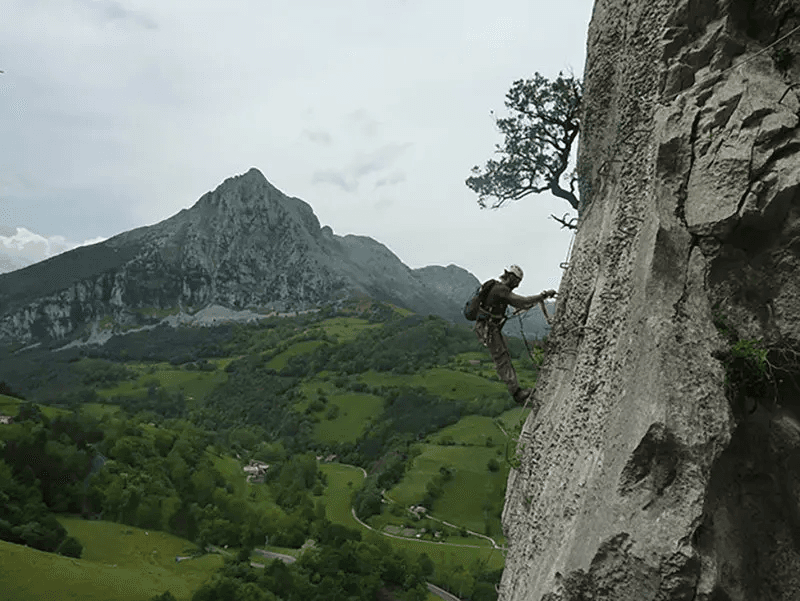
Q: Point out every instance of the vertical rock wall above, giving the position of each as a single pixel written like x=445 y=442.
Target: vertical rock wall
x=663 y=458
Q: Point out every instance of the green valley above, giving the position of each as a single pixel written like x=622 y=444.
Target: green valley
x=347 y=419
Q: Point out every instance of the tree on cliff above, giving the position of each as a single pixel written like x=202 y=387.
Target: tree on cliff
x=539 y=134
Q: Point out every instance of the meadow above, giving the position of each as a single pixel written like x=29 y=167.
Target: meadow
x=355 y=410
x=193 y=384
x=119 y=562
x=279 y=361
x=467 y=498
x=10 y=406
x=345 y=329
x=445 y=556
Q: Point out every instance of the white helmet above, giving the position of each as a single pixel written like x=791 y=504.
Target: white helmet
x=516 y=270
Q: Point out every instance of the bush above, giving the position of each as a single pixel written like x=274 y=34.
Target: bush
x=70 y=547
x=493 y=465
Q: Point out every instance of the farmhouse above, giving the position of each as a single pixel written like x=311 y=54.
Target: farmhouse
x=255 y=470
x=6 y=419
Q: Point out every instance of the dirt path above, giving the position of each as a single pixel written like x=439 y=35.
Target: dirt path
x=273 y=555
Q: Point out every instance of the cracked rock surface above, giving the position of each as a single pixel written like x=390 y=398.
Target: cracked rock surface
x=655 y=466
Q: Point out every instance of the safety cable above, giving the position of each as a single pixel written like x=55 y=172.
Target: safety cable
x=745 y=61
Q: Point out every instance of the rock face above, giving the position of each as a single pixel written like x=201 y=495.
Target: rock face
x=663 y=461
x=244 y=246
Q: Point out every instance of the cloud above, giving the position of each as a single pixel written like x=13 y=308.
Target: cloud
x=381 y=159
x=390 y=180
x=113 y=11
x=24 y=247
x=384 y=203
x=318 y=137
x=336 y=179
x=361 y=119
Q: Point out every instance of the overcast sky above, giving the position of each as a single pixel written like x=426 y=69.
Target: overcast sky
x=119 y=113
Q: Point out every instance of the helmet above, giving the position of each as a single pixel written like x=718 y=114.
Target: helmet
x=516 y=270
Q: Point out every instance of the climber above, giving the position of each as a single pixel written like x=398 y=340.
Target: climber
x=491 y=317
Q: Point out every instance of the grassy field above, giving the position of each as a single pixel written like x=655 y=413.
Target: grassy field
x=463 y=499
x=513 y=418
x=337 y=493
x=345 y=329
x=256 y=495
x=476 y=429
x=445 y=382
x=355 y=409
x=194 y=384
x=278 y=362
x=99 y=410
x=119 y=562
x=473 y=430
x=337 y=503
x=10 y=406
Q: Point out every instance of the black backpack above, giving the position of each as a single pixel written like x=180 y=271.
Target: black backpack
x=473 y=305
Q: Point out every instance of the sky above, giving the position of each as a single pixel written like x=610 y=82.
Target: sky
x=116 y=114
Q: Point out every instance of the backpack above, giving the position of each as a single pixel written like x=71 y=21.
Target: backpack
x=473 y=305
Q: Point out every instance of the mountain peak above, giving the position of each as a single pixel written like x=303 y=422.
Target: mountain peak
x=252 y=178
x=244 y=245
x=252 y=175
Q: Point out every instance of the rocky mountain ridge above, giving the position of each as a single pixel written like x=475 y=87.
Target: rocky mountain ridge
x=245 y=246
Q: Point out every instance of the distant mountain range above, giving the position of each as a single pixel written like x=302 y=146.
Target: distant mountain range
x=243 y=250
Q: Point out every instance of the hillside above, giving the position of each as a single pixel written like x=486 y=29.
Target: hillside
x=412 y=400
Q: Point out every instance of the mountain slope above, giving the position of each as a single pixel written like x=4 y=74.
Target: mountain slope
x=246 y=245
x=9 y=262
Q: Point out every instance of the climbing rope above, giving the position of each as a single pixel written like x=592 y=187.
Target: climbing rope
x=565 y=263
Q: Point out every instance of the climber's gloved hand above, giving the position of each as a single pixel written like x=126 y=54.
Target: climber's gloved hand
x=548 y=293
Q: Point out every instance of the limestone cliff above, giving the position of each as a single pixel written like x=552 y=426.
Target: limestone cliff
x=663 y=461
x=244 y=246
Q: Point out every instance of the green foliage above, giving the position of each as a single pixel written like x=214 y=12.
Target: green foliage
x=401 y=346
x=97 y=372
x=71 y=547
x=149 y=463
x=344 y=568
x=539 y=134
x=748 y=374
x=43 y=466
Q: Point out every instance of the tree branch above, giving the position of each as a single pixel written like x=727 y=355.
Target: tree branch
x=571 y=223
x=558 y=191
